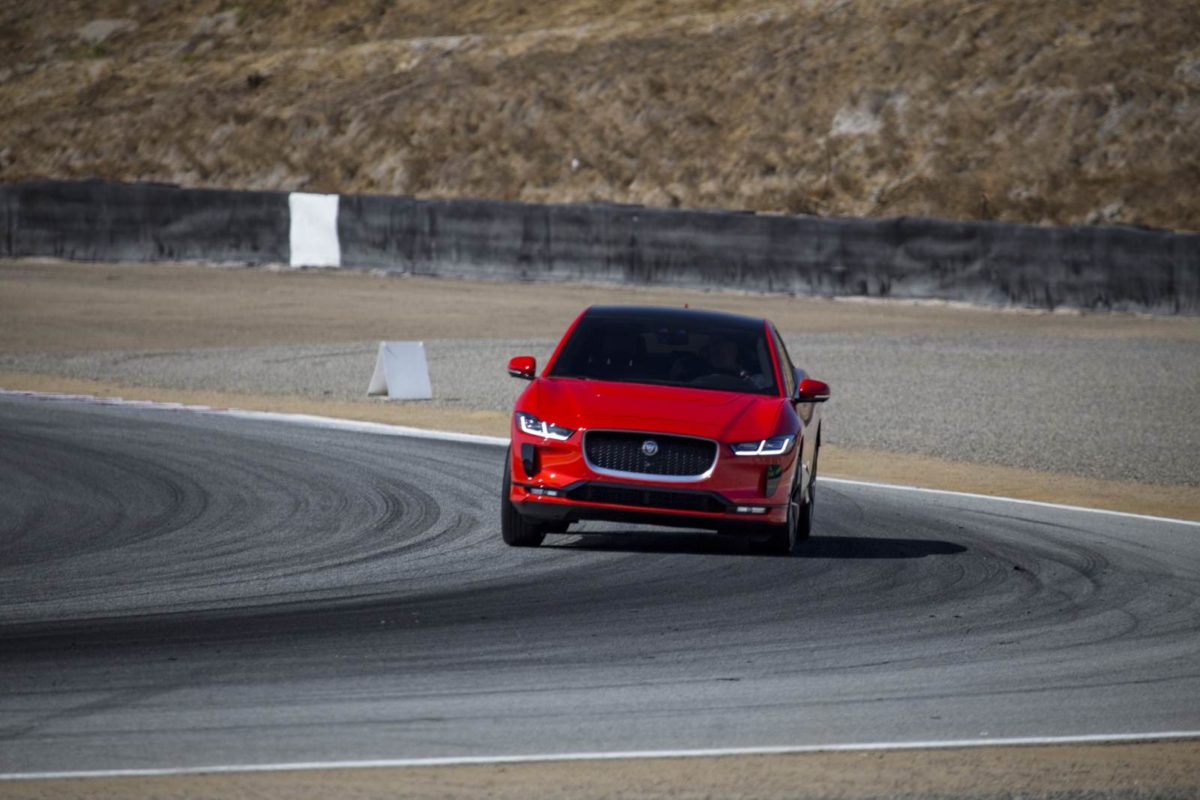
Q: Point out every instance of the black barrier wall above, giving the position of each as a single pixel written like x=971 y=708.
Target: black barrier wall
x=102 y=221
x=983 y=262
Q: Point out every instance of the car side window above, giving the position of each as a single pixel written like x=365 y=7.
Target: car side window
x=785 y=364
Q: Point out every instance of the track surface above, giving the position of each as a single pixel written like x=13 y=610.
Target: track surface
x=181 y=590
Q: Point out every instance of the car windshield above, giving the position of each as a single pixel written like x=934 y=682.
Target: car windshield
x=697 y=354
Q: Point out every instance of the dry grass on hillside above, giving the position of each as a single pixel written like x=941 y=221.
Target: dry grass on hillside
x=1071 y=111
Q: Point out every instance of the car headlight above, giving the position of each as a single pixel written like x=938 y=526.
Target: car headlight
x=775 y=446
x=535 y=427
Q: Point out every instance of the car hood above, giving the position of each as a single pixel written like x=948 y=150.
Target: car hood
x=591 y=404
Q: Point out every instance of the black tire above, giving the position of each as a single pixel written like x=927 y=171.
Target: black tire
x=805 y=529
x=515 y=529
x=783 y=539
x=786 y=539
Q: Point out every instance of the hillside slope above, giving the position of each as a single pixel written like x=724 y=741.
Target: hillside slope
x=1023 y=110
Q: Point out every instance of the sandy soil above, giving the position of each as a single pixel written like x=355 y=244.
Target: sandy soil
x=1163 y=771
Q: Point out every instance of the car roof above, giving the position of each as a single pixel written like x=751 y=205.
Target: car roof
x=674 y=315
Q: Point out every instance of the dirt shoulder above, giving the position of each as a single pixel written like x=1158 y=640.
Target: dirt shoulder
x=62 y=307
x=1162 y=770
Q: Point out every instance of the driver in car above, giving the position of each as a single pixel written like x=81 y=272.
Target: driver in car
x=723 y=359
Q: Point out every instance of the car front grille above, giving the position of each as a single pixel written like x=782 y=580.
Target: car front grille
x=677 y=456
x=667 y=499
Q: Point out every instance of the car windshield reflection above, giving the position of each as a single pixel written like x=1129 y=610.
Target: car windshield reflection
x=734 y=358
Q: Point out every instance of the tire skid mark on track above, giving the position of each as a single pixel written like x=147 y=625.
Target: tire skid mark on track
x=165 y=502
x=345 y=594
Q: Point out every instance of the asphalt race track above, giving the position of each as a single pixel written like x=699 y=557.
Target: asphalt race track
x=182 y=590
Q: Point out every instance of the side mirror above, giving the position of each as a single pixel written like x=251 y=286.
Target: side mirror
x=811 y=390
x=522 y=367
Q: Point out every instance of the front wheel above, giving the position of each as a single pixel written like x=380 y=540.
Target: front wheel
x=786 y=539
x=806 y=529
x=515 y=529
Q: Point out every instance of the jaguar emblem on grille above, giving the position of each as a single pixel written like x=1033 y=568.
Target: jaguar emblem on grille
x=649 y=448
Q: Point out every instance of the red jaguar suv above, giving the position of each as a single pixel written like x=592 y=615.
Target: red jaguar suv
x=666 y=416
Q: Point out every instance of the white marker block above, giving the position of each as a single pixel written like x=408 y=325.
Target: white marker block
x=314 y=236
x=401 y=372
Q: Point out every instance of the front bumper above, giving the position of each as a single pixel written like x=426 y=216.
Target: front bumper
x=551 y=481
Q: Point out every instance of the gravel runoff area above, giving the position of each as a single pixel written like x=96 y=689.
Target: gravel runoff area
x=1088 y=409
x=1101 y=408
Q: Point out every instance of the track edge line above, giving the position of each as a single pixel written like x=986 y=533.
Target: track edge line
x=454 y=761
